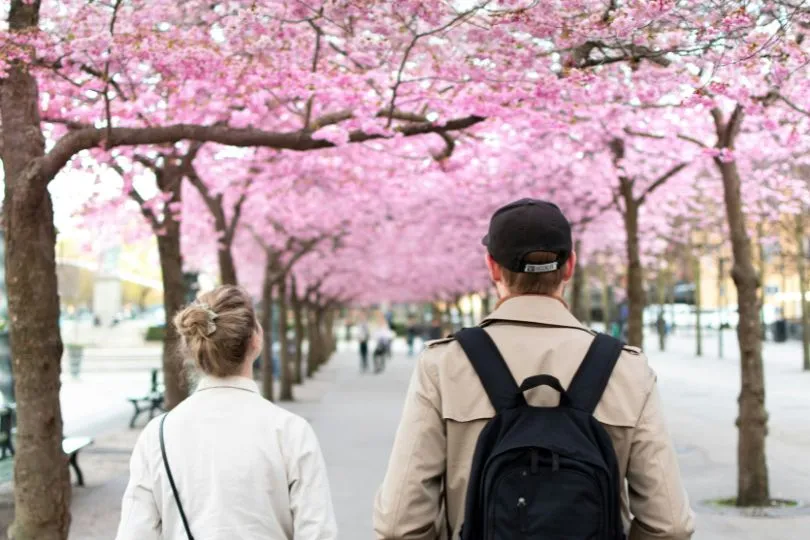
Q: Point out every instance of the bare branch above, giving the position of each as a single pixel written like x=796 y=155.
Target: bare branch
x=315 y=56
x=147 y=212
x=83 y=139
x=237 y=212
x=409 y=48
x=661 y=180
x=687 y=138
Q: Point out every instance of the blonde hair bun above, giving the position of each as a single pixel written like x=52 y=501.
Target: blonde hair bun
x=217 y=330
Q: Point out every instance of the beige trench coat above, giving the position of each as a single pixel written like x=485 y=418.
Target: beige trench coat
x=446 y=408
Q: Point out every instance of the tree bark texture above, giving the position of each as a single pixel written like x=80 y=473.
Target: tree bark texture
x=577 y=304
x=267 y=327
x=314 y=341
x=42 y=490
x=635 y=276
x=607 y=316
x=698 y=305
x=227 y=267
x=299 y=331
x=753 y=488
x=801 y=264
x=662 y=335
x=174 y=297
x=329 y=332
x=286 y=393
x=169 y=180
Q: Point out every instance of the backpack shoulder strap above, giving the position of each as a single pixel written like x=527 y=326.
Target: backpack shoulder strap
x=594 y=372
x=491 y=368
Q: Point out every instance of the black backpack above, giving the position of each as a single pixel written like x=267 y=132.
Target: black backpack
x=545 y=473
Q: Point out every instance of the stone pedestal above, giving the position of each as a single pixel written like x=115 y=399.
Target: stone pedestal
x=107 y=292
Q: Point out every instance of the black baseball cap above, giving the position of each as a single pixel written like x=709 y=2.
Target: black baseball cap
x=526 y=226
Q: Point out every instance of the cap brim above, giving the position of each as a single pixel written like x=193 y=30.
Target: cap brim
x=485 y=240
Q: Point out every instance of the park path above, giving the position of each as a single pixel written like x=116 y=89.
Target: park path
x=355 y=417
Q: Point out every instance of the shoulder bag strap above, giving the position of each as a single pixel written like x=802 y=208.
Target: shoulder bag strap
x=171 y=480
x=594 y=372
x=491 y=368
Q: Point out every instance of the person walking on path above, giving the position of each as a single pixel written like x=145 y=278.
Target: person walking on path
x=423 y=496
x=412 y=331
x=226 y=464
x=383 y=339
x=363 y=335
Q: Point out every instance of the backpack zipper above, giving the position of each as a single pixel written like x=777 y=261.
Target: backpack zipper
x=524 y=519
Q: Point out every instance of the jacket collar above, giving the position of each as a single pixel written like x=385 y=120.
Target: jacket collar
x=241 y=383
x=535 y=309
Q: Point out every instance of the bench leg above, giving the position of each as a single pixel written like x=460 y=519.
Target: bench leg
x=75 y=464
x=135 y=416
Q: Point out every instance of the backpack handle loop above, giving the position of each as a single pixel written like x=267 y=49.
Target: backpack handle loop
x=546 y=380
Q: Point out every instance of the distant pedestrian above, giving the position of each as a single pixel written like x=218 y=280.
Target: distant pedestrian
x=383 y=340
x=435 y=330
x=411 y=332
x=226 y=463
x=363 y=335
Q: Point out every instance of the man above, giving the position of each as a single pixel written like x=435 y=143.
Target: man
x=423 y=494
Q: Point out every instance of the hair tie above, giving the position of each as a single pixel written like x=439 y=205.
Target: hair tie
x=212 y=316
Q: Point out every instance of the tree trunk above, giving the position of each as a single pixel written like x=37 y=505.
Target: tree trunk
x=42 y=490
x=314 y=341
x=227 y=267
x=286 y=393
x=586 y=300
x=801 y=264
x=174 y=297
x=267 y=327
x=299 y=331
x=606 y=307
x=577 y=280
x=698 y=305
x=635 y=276
x=661 y=325
x=762 y=270
x=329 y=332
x=752 y=489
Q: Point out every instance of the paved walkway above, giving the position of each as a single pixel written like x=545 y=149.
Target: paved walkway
x=355 y=417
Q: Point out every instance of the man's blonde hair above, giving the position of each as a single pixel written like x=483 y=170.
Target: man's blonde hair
x=532 y=283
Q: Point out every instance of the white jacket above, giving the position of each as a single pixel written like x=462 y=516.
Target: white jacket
x=245 y=469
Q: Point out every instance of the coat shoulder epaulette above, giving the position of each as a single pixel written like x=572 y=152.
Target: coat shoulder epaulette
x=436 y=342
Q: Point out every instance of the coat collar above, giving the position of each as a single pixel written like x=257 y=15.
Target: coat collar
x=240 y=383
x=536 y=309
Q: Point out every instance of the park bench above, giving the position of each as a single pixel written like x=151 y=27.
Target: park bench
x=71 y=447
x=152 y=401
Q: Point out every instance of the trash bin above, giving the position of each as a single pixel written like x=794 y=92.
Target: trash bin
x=780 y=334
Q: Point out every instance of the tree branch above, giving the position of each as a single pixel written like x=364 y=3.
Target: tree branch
x=147 y=212
x=409 y=48
x=237 y=212
x=661 y=180
x=83 y=139
x=656 y=136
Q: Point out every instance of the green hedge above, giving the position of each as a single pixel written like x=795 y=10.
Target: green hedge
x=156 y=333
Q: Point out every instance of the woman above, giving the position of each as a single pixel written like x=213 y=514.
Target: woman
x=241 y=467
